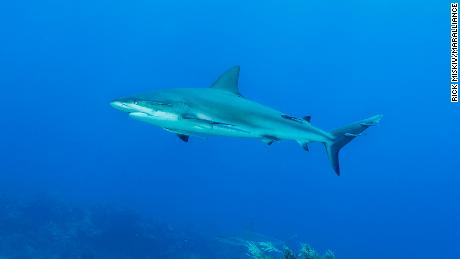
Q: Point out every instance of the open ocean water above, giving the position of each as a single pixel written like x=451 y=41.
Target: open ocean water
x=79 y=179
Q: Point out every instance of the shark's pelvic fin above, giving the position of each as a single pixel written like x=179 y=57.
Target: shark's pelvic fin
x=228 y=81
x=344 y=135
x=304 y=145
x=268 y=139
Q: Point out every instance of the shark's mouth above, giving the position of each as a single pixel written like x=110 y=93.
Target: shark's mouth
x=157 y=115
x=139 y=114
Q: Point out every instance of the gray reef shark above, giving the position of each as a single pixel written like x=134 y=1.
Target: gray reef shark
x=221 y=110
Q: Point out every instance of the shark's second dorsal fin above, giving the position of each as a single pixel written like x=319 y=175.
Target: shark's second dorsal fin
x=228 y=81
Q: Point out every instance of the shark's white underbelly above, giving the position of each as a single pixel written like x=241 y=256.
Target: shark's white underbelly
x=194 y=127
x=204 y=125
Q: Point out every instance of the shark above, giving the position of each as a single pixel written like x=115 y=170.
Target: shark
x=221 y=110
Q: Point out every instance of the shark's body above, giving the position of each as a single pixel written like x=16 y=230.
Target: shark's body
x=221 y=110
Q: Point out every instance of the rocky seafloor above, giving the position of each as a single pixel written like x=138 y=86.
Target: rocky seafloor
x=49 y=229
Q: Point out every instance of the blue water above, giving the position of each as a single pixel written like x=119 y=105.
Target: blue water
x=62 y=62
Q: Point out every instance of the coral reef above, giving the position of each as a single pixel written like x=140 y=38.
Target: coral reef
x=260 y=250
x=44 y=228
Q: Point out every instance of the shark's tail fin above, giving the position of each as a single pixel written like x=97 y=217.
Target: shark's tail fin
x=344 y=135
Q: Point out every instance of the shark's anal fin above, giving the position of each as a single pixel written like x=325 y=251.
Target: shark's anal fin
x=228 y=81
x=183 y=137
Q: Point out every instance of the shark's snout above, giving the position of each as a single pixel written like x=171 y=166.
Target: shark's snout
x=117 y=104
x=122 y=105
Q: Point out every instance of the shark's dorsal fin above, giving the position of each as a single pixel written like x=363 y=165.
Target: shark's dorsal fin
x=228 y=81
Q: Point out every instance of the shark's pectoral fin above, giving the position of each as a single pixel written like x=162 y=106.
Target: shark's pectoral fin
x=183 y=137
x=228 y=81
x=268 y=141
